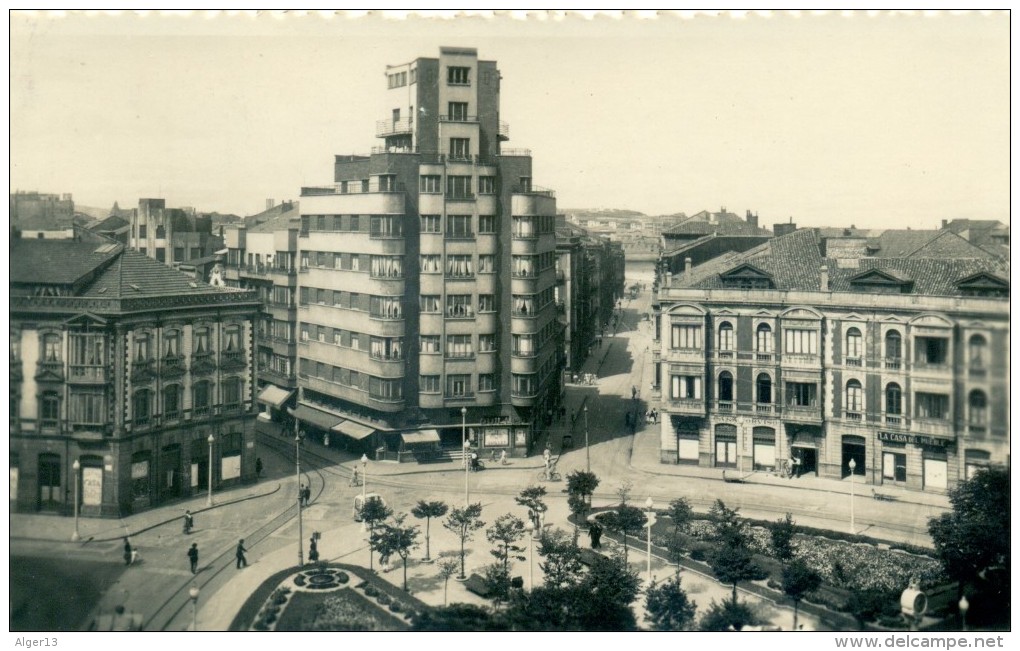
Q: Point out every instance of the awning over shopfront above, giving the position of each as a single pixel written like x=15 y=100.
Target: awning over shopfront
x=274 y=396
x=312 y=416
x=354 y=430
x=421 y=436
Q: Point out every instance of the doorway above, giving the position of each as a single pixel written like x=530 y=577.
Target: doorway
x=852 y=450
x=808 y=460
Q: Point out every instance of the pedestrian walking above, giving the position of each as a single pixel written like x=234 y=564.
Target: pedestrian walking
x=128 y=552
x=189 y=522
x=241 y=560
x=193 y=557
x=502 y=458
x=258 y=467
x=313 y=550
x=354 y=478
x=595 y=533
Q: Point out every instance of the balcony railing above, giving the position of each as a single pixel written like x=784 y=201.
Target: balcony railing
x=514 y=152
x=503 y=131
x=853 y=361
x=764 y=357
x=201 y=411
x=352 y=187
x=893 y=363
x=385 y=128
x=142 y=370
x=534 y=189
x=724 y=354
x=172 y=366
x=764 y=409
x=232 y=359
x=853 y=415
x=724 y=406
x=893 y=420
x=90 y=374
x=977 y=372
x=458 y=118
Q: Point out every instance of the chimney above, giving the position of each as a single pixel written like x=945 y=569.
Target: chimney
x=270 y=203
x=825 y=278
x=687 y=264
x=945 y=222
x=752 y=219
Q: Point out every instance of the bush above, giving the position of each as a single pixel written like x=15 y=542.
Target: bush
x=299 y=580
x=269 y=618
x=395 y=607
x=371 y=590
x=261 y=626
x=699 y=554
x=342 y=578
x=383 y=599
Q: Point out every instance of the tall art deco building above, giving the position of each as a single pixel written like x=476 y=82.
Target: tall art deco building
x=427 y=274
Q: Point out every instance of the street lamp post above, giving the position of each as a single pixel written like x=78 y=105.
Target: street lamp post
x=964 y=607
x=193 y=593
x=297 y=469
x=650 y=517
x=77 y=487
x=530 y=527
x=853 y=464
x=364 y=486
x=208 y=497
x=587 y=451
x=467 y=460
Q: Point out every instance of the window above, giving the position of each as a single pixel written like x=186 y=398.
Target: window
x=87 y=350
x=142 y=353
x=304 y=332
x=486 y=185
x=486 y=382
x=801 y=394
x=523 y=305
x=486 y=303
x=726 y=386
x=386 y=348
x=458 y=226
x=763 y=338
x=231 y=392
x=355 y=262
x=320 y=222
x=396 y=80
x=15 y=350
x=428 y=383
x=321 y=335
x=486 y=264
x=458 y=76
x=459 y=346
x=931 y=350
x=232 y=339
x=853 y=347
x=430 y=224
x=430 y=264
x=893 y=349
x=931 y=405
x=458 y=386
x=201 y=341
x=523 y=265
x=387 y=226
x=355 y=223
x=685 y=336
x=459 y=306
x=178 y=254
x=524 y=385
x=801 y=342
x=142 y=231
x=685 y=387
x=140 y=404
x=387 y=266
x=428 y=344
x=457 y=111
x=763 y=386
x=172 y=401
x=386 y=307
x=486 y=223
x=486 y=343
x=200 y=397
x=49 y=409
x=460 y=149
x=88 y=408
x=977 y=407
x=977 y=353
x=893 y=399
x=523 y=345
x=524 y=227
x=428 y=303
x=338 y=337
x=458 y=187
x=430 y=184
x=459 y=266
x=172 y=343
x=726 y=336
x=854 y=398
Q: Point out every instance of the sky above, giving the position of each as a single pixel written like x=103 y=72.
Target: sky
x=871 y=120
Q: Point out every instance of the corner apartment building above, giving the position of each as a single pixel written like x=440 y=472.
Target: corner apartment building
x=38 y=215
x=171 y=235
x=130 y=383
x=889 y=351
x=427 y=277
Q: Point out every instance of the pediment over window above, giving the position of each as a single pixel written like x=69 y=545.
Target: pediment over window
x=801 y=313
x=931 y=321
x=984 y=284
x=882 y=281
x=686 y=309
x=85 y=319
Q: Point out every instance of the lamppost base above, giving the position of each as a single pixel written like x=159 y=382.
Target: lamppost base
x=75 y=537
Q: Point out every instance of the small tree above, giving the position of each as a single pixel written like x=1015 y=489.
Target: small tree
x=373 y=512
x=625 y=520
x=583 y=484
x=562 y=567
x=397 y=539
x=668 y=607
x=464 y=523
x=623 y=491
x=504 y=534
x=533 y=498
x=799 y=580
x=729 y=528
x=447 y=568
x=680 y=512
x=497 y=580
x=781 y=532
x=727 y=616
x=733 y=564
x=578 y=508
x=429 y=510
x=676 y=550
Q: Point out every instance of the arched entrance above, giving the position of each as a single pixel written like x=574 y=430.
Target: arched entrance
x=853 y=448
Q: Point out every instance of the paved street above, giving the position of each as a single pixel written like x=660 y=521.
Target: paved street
x=157 y=587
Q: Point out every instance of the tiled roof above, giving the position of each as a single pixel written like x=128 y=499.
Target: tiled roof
x=960 y=225
x=277 y=222
x=924 y=243
x=134 y=274
x=794 y=262
x=56 y=262
x=698 y=227
x=111 y=223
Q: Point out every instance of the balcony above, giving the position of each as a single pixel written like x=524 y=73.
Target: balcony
x=233 y=360
x=893 y=363
x=765 y=409
x=803 y=413
x=934 y=426
x=764 y=358
x=853 y=416
x=503 y=132
x=723 y=406
x=202 y=363
x=515 y=152
x=853 y=361
x=171 y=367
x=143 y=370
x=534 y=189
x=352 y=187
x=81 y=374
x=895 y=420
x=977 y=373
x=52 y=371
x=693 y=406
x=458 y=118
x=725 y=355
x=384 y=128
x=201 y=411
x=254 y=270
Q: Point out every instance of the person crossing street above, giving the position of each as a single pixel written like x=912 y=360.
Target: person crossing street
x=241 y=560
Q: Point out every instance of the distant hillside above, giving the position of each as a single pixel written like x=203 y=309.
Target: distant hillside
x=602 y=213
x=92 y=211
